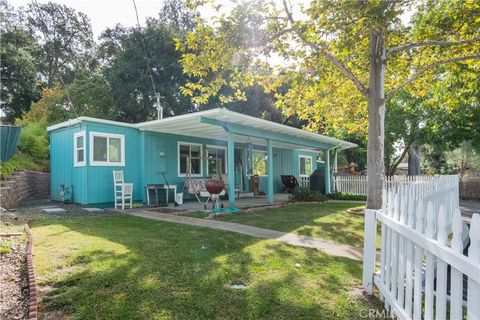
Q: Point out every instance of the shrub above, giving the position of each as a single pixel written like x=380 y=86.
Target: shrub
x=33 y=150
x=5 y=248
x=346 y=196
x=305 y=194
x=21 y=161
x=34 y=140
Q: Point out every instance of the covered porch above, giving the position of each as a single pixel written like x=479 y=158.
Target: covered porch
x=274 y=148
x=240 y=203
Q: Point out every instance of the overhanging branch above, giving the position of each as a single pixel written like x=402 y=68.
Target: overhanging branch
x=441 y=43
x=329 y=56
x=424 y=69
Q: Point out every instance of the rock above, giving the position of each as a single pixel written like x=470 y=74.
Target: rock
x=238 y=286
x=55 y=210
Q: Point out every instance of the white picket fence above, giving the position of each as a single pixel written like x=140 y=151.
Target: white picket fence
x=355 y=184
x=305 y=182
x=350 y=184
x=423 y=270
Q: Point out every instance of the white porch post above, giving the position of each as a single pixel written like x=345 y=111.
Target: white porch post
x=334 y=169
x=231 y=169
x=327 y=171
x=335 y=165
x=369 y=250
x=270 y=171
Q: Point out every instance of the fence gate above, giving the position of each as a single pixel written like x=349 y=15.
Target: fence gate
x=423 y=272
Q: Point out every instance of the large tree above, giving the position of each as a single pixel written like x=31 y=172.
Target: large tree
x=17 y=65
x=342 y=57
x=66 y=41
x=18 y=72
x=444 y=117
x=140 y=63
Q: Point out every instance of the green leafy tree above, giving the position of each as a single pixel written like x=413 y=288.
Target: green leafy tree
x=18 y=70
x=463 y=160
x=18 y=73
x=176 y=15
x=86 y=96
x=129 y=75
x=445 y=117
x=336 y=58
x=90 y=96
x=66 y=41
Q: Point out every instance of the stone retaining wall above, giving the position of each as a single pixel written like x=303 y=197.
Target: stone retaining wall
x=22 y=185
x=470 y=188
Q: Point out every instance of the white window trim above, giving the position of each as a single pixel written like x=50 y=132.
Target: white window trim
x=178 y=158
x=107 y=163
x=299 y=165
x=266 y=163
x=77 y=163
x=209 y=146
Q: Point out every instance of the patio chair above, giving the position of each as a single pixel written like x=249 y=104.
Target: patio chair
x=122 y=191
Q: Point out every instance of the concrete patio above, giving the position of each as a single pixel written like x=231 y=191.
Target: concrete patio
x=240 y=203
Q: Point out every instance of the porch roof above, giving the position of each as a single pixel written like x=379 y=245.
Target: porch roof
x=215 y=124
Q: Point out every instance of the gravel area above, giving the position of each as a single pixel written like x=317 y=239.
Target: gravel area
x=13 y=274
x=32 y=208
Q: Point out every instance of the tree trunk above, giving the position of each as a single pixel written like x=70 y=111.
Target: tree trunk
x=414 y=161
x=376 y=117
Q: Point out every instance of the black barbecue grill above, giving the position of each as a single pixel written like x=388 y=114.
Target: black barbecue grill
x=289 y=182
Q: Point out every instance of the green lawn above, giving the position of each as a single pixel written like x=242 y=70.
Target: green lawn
x=122 y=267
x=323 y=220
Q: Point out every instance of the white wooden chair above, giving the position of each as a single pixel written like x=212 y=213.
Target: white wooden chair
x=122 y=191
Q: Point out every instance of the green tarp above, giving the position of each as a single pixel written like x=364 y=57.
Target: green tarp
x=9 y=136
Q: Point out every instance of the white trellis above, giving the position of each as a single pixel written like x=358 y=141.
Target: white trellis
x=422 y=236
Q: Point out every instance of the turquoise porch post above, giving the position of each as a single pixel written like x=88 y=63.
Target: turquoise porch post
x=270 y=171
x=327 y=171
x=231 y=169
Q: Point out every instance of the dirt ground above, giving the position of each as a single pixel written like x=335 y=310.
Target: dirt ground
x=13 y=271
x=32 y=208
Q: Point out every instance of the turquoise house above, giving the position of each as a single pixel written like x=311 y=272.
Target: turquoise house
x=84 y=152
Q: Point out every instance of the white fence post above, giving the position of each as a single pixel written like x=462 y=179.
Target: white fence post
x=417 y=217
x=473 y=297
x=456 y=281
x=369 y=250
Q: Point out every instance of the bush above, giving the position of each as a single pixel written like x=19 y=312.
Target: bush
x=33 y=150
x=21 y=161
x=346 y=196
x=305 y=194
x=34 y=140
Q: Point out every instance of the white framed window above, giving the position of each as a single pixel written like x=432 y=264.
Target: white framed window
x=259 y=162
x=190 y=152
x=305 y=166
x=79 y=149
x=107 y=149
x=216 y=159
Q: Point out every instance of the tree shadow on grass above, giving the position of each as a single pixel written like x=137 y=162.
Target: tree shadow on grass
x=325 y=221
x=134 y=268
